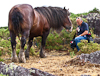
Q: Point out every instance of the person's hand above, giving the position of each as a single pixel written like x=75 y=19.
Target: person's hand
x=78 y=35
x=77 y=28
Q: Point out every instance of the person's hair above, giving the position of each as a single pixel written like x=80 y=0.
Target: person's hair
x=79 y=18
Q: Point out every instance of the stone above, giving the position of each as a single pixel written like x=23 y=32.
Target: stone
x=92 y=57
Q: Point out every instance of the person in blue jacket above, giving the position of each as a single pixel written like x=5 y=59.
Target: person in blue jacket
x=82 y=31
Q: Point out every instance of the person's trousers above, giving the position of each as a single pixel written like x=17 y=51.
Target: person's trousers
x=78 y=39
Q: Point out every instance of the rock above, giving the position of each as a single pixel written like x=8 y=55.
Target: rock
x=14 y=70
x=94 y=22
x=97 y=40
x=92 y=57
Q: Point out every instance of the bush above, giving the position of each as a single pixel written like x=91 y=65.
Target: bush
x=54 y=40
x=78 y=15
x=0 y=52
x=95 y=10
x=3 y=75
x=5 y=47
x=4 y=33
x=86 y=47
x=1 y=60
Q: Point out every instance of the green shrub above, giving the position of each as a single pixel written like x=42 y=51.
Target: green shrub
x=72 y=54
x=92 y=33
x=86 y=47
x=17 y=51
x=32 y=52
x=4 y=33
x=95 y=10
x=54 y=40
x=0 y=52
x=78 y=15
x=1 y=60
x=3 y=75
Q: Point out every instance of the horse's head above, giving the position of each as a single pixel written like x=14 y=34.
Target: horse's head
x=68 y=23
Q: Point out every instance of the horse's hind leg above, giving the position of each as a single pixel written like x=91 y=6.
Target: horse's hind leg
x=13 y=44
x=21 y=53
x=30 y=42
x=42 y=50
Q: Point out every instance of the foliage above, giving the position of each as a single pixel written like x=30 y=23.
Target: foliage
x=4 y=33
x=78 y=15
x=54 y=40
x=3 y=75
x=92 y=33
x=0 y=52
x=32 y=50
x=1 y=59
x=5 y=45
x=95 y=10
x=72 y=54
x=86 y=47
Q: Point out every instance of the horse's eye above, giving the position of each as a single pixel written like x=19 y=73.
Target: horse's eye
x=69 y=14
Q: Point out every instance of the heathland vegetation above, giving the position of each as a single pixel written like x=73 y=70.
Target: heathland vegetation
x=54 y=40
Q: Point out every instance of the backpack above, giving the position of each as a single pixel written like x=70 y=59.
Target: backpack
x=73 y=44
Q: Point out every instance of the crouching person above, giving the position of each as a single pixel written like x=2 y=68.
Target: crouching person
x=82 y=31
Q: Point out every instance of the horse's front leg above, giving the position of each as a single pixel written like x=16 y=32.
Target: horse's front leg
x=42 y=50
x=21 y=53
x=13 y=44
x=30 y=43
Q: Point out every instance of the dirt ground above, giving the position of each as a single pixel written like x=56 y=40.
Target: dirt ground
x=55 y=63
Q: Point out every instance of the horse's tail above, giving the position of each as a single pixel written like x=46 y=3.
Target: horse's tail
x=17 y=19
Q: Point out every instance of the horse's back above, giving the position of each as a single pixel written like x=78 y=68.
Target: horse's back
x=26 y=11
x=40 y=24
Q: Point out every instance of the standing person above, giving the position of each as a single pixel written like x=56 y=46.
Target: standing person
x=82 y=31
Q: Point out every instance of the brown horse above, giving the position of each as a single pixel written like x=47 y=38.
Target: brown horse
x=30 y=23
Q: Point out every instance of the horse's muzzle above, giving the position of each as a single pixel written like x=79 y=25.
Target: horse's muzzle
x=69 y=28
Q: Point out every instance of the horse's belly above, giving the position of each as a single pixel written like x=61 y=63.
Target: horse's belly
x=36 y=32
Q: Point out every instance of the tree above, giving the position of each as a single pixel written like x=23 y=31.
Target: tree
x=95 y=10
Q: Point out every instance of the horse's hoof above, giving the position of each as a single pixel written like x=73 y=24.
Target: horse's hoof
x=42 y=56
x=14 y=60
x=22 y=57
x=22 y=60
x=26 y=55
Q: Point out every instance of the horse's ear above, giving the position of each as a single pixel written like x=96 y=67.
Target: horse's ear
x=68 y=9
x=64 y=8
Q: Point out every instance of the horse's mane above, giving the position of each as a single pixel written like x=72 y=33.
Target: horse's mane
x=54 y=15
